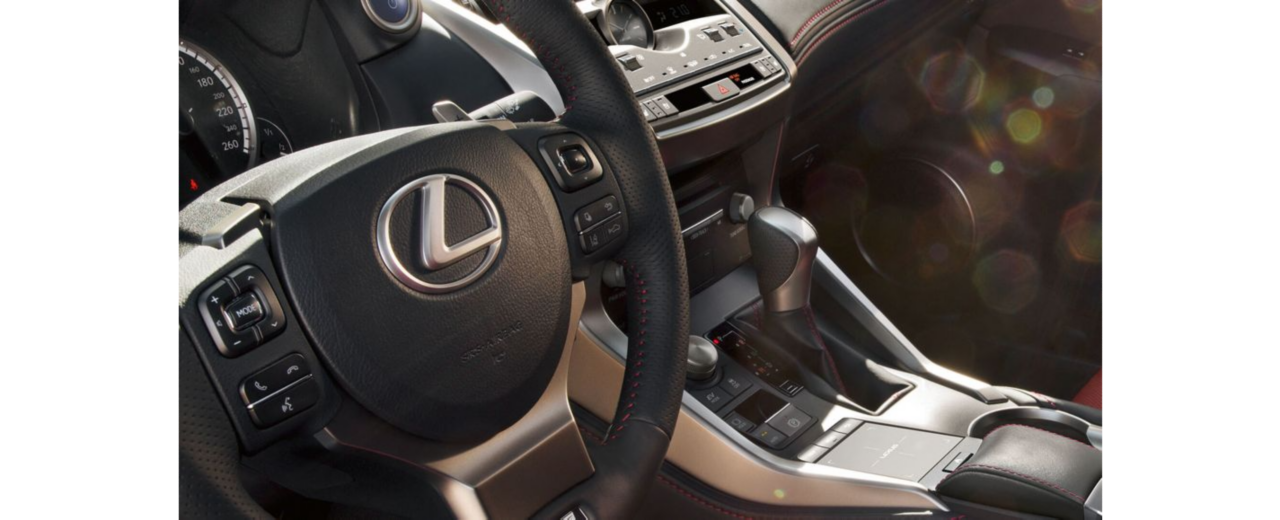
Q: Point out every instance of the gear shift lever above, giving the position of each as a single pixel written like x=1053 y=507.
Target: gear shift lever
x=783 y=246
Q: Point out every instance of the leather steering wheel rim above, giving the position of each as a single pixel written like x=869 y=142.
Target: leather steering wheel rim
x=598 y=101
x=599 y=104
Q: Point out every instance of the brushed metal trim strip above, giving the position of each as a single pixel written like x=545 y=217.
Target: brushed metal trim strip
x=742 y=470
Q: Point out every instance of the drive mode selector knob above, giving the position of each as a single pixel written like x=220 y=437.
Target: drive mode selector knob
x=741 y=206
x=702 y=359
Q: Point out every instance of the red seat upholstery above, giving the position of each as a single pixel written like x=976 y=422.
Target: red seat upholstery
x=1091 y=394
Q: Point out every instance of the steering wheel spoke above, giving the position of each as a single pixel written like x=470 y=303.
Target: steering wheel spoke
x=429 y=282
x=510 y=475
x=587 y=192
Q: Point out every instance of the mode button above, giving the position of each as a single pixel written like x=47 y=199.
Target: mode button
x=243 y=312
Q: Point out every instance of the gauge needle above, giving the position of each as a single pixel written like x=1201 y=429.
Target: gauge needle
x=185 y=124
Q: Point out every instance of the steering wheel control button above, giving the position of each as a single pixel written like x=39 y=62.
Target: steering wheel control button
x=721 y=90
x=739 y=422
x=789 y=420
x=596 y=212
x=288 y=402
x=571 y=159
x=250 y=282
x=713 y=398
x=274 y=378
x=574 y=159
x=243 y=312
x=597 y=237
x=230 y=342
x=630 y=62
x=246 y=278
x=769 y=436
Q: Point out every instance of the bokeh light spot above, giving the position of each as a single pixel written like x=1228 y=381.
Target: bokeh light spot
x=1007 y=281
x=1081 y=231
x=1043 y=97
x=996 y=168
x=779 y=493
x=952 y=81
x=1024 y=125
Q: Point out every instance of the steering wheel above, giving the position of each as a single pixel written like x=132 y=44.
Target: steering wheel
x=429 y=281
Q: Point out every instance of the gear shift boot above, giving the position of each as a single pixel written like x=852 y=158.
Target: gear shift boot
x=783 y=248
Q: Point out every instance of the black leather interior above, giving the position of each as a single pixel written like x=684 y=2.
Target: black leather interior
x=1029 y=470
x=1029 y=398
x=598 y=103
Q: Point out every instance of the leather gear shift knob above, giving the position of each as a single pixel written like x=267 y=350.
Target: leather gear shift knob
x=783 y=246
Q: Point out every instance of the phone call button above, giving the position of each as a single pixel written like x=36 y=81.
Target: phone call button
x=274 y=378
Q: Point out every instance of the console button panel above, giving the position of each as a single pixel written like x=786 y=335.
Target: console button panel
x=686 y=49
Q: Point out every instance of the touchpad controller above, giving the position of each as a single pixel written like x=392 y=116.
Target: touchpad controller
x=890 y=451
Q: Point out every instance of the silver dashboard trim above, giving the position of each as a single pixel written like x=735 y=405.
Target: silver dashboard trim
x=719 y=456
x=704 y=445
x=702 y=223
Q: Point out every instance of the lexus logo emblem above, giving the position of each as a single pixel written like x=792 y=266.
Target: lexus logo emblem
x=432 y=251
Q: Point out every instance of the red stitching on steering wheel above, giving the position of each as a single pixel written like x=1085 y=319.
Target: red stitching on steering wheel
x=641 y=298
x=539 y=49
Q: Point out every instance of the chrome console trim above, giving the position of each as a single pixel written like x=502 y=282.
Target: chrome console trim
x=712 y=451
x=503 y=477
x=707 y=448
x=856 y=302
x=987 y=422
x=1093 y=504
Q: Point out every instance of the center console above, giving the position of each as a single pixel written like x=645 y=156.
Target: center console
x=801 y=393
x=876 y=435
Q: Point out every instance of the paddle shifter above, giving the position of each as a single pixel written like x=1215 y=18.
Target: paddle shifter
x=783 y=246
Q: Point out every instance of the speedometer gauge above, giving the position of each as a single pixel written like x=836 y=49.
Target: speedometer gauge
x=624 y=23
x=216 y=130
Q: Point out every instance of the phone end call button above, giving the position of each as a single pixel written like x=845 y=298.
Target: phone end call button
x=274 y=378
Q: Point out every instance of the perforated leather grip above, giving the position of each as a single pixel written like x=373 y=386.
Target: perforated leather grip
x=783 y=246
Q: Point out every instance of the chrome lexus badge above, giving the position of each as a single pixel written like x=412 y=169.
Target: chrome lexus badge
x=432 y=251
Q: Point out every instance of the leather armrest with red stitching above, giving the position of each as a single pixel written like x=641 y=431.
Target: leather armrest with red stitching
x=1028 y=470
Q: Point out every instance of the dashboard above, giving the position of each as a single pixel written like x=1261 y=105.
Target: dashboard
x=261 y=80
